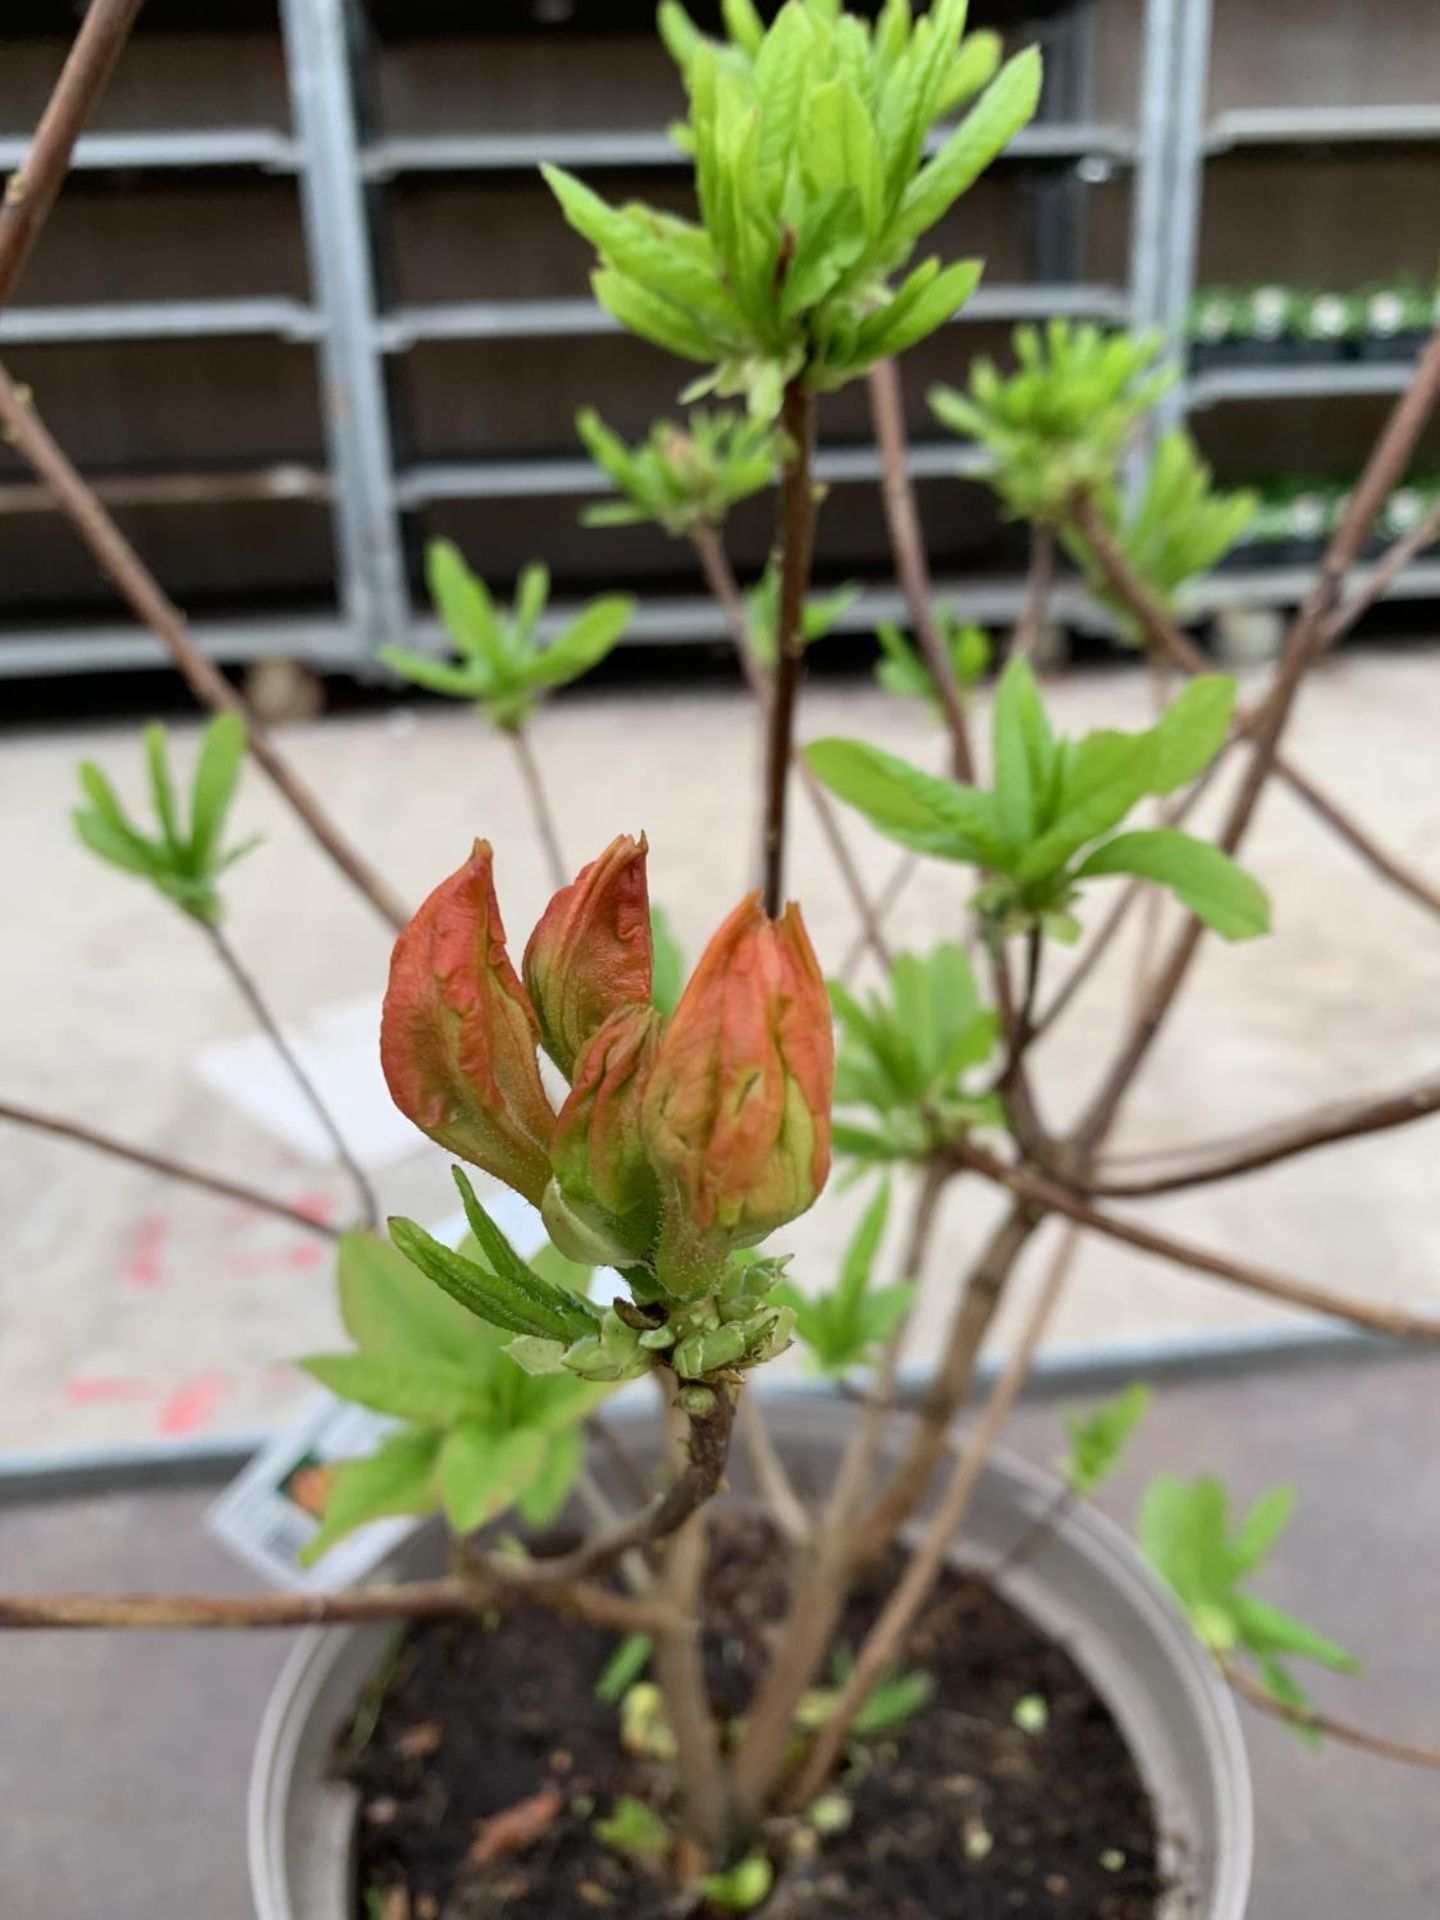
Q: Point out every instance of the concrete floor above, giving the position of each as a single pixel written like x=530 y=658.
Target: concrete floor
x=124 y=1761
x=133 y=1309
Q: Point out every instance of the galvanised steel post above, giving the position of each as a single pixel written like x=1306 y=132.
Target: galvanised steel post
x=369 y=551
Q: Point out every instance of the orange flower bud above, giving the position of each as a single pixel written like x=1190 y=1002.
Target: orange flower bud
x=590 y=953
x=737 y=1113
x=459 y=1038
x=598 y=1152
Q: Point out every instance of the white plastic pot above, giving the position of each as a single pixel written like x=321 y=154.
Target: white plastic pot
x=1085 y=1587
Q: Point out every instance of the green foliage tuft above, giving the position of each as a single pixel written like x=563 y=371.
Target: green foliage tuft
x=1185 y=1532
x=1178 y=528
x=903 y=1056
x=1052 y=800
x=479 y=1435
x=1060 y=423
x=1098 y=1439
x=682 y=478
x=183 y=862
x=843 y=1327
x=902 y=671
x=502 y=665
x=634 y=1829
x=809 y=141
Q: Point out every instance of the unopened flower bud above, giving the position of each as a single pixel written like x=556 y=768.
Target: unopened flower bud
x=737 y=1113
x=459 y=1038
x=590 y=954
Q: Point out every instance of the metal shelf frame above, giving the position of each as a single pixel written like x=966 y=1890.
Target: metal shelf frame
x=1197 y=139
x=345 y=173
x=387 y=158
x=182 y=150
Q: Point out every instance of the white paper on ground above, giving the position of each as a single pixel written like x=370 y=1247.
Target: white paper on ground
x=259 y=1517
x=339 y=1050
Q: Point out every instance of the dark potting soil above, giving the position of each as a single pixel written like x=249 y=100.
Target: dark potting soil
x=486 y=1758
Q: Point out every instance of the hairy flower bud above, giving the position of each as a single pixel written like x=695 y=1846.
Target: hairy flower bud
x=459 y=1038
x=737 y=1113
x=590 y=954
x=598 y=1152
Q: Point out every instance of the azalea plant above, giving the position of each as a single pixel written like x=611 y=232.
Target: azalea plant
x=667 y=1129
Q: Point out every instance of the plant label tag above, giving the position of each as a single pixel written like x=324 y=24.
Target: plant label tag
x=271 y=1513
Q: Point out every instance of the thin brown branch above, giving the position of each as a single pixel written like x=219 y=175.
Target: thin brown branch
x=1310 y=1720
x=951 y=1382
x=122 y=565
x=1347 y=828
x=1267 y=1146
x=704 y=1470
x=1039 y=582
x=31 y=190
x=720 y=578
x=829 y=1567
x=680 y=1671
x=1169 y=641
x=797 y=543
x=907 y=544
x=769 y=1472
x=453 y=1598
x=163 y=1164
x=540 y=811
x=1388 y=461
x=886 y=1638
x=259 y=1007
x=886 y=900
x=1044 y=1193
x=1382 y=576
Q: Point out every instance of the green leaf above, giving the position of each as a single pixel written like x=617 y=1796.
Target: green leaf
x=161 y=790
x=430 y=1393
x=892 y=1702
x=652 y=317
x=480 y=1292
x=667 y=977
x=1098 y=1438
x=859 y=1261
x=119 y=846
x=624 y=1667
x=1024 y=753
x=744 y=25
x=398 y=1478
x=537 y=1357
x=1262 y=1527
x=567 y=1313
x=584 y=643
x=633 y=1828
x=1192 y=731
x=1005 y=106
x=1201 y=877
x=1268 y=1630
x=743 y=1887
x=482 y=1473
x=927 y=300
x=217 y=774
x=935 y=816
x=390 y=1309
x=462 y=600
x=547 y=1493
x=1104 y=776
x=436 y=676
